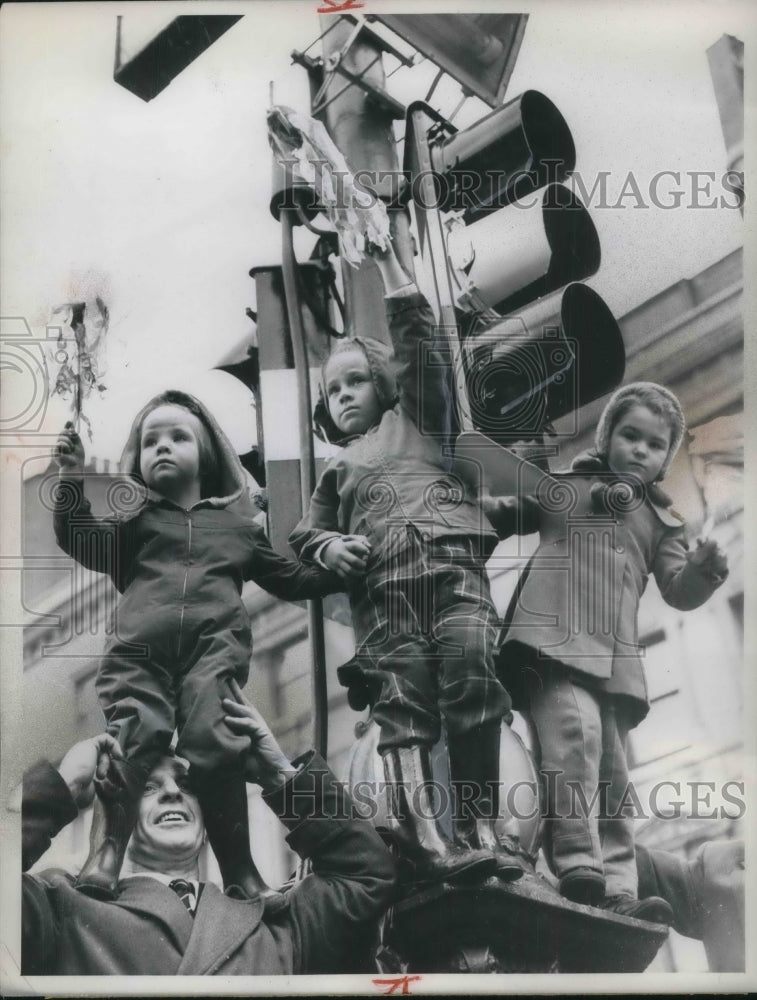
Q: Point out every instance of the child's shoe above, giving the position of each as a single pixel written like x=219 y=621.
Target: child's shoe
x=652 y=908
x=115 y=813
x=583 y=885
x=223 y=800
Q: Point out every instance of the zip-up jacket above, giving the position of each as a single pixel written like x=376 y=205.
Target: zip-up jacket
x=180 y=629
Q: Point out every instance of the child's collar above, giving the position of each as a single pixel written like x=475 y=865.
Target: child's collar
x=659 y=501
x=154 y=499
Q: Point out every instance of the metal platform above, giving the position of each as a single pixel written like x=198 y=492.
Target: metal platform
x=524 y=926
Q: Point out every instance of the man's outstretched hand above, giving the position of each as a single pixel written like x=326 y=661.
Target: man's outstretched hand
x=265 y=762
x=86 y=761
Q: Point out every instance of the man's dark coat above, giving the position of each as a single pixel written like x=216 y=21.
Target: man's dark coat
x=148 y=931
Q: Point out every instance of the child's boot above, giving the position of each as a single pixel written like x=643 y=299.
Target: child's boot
x=436 y=858
x=474 y=773
x=113 y=818
x=652 y=908
x=583 y=885
x=223 y=800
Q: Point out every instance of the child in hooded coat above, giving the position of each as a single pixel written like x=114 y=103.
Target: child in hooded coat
x=571 y=658
x=388 y=515
x=179 y=556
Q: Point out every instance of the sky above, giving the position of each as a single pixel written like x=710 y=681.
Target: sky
x=162 y=207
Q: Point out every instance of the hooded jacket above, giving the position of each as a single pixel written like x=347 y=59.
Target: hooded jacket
x=601 y=535
x=397 y=473
x=181 y=571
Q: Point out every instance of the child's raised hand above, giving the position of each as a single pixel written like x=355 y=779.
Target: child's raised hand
x=709 y=556
x=347 y=556
x=68 y=453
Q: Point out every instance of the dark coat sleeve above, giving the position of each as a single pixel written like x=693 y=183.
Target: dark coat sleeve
x=512 y=515
x=353 y=873
x=706 y=894
x=422 y=363
x=98 y=543
x=321 y=521
x=284 y=577
x=46 y=808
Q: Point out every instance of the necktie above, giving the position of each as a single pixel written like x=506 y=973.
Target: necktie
x=185 y=891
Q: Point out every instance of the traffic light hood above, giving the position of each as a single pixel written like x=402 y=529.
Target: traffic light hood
x=515 y=150
x=380 y=363
x=551 y=358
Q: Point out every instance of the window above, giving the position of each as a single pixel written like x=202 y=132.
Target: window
x=667 y=727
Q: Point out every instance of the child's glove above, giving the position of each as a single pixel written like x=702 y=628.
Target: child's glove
x=347 y=556
x=710 y=558
x=68 y=454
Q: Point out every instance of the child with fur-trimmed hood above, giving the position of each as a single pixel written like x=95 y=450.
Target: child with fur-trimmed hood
x=390 y=518
x=571 y=658
x=179 y=552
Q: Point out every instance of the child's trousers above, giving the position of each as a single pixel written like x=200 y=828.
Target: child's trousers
x=426 y=629
x=582 y=737
x=145 y=699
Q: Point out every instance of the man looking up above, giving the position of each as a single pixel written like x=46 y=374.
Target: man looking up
x=152 y=928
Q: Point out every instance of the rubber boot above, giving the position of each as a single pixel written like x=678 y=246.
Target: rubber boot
x=411 y=808
x=113 y=818
x=474 y=774
x=223 y=799
x=652 y=908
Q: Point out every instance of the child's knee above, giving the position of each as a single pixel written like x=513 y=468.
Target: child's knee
x=212 y=748
x=584 y=731
x=570 y=731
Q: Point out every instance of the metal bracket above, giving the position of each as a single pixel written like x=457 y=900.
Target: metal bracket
x=334 y=65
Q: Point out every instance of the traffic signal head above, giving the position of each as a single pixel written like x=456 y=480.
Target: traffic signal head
x=503 y=235
x=553 y=357
x=529 y=249
x=490 y=209
x=504 y=157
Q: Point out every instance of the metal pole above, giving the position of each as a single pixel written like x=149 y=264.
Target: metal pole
x=307 y=473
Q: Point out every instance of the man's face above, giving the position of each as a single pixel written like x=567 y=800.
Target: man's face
x=169 y=828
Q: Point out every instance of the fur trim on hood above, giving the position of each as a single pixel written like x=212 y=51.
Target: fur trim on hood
x=642 y=392
x=380 y=359
x=229 y=485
